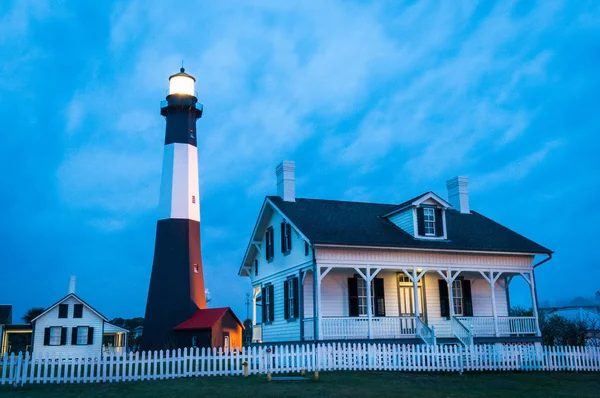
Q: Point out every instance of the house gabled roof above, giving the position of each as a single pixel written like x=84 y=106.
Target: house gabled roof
x=332 y=222
x=418 y=200
x=206 y=318
x=110 y=328
x=68 y=296
x=581 y=302
x=5 y=314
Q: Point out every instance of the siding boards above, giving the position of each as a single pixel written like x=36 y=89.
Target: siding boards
x=404 y=220
x=337 y=256
x=280 y=329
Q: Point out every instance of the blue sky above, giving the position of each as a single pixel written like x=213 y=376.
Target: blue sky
x=374 y=102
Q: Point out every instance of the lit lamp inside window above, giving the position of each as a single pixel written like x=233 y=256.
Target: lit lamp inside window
x=181 y=84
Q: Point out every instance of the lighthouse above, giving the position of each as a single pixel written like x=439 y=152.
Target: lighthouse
x=176 y=289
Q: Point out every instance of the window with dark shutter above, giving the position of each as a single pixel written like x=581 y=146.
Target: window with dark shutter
x=256 y=267
x=78 y=311
x=90 y=339
x=379 y=296
x=286 y=298
x=467 y=298
x=295 y=285
x=353 y=297
x=269 y=243
x=444 y=300
x=63 y=336
x=63 y=310
x=283 y=239
x=47 y=336
x=306 y=248
x=272 y=304
x=264 y=305
x=420 y=222
x=439 y=222
x=286 y=237
x=74 y=336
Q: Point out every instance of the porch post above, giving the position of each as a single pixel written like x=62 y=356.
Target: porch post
x=534 y=304
x=450 y=281
x=369 y=309
x=318 y=306
x=416 y=293
x=494 y=312
x=254 y=295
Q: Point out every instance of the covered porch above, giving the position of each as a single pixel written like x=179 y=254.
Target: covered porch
x=422 y=303
x=114 y=340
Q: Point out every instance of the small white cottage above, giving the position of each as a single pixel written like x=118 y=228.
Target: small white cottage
x=74 y=328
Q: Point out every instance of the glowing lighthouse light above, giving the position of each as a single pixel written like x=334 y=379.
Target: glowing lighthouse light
x=182 y=84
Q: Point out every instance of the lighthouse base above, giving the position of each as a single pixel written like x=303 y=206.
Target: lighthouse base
x=177 y=283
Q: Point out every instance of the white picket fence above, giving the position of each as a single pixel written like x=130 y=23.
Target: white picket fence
x=21 y=369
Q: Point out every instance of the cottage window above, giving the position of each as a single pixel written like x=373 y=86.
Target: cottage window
x=256 y=267
x=362 y=296
x=269 y=240
x=55 y=335
x=268 y=305
x=286 y=237
x=78 y=311
x=290 y=298
x=429 y=218
x=82 y=335
x=457 y=293
x=430 y=221
x=357 y=295
x=63 y=310
x=306 y=248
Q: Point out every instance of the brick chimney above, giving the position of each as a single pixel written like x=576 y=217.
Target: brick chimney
x=458 y=193
x=285 y=180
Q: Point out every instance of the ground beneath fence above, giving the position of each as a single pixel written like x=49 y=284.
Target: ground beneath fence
x=342 y=384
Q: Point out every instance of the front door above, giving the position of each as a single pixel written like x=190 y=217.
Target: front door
x=406 y=297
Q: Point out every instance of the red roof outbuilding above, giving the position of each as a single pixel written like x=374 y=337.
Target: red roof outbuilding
x=206 y=318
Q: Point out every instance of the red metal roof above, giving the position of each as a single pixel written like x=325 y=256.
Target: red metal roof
x=205 y=319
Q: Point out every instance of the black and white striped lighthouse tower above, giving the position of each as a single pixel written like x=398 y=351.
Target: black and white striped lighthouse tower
x=177 y=283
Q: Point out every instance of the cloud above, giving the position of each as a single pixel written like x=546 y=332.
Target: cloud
x=516 y=170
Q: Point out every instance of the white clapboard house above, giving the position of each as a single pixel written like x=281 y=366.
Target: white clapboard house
x=427 y=270
x=73 y=328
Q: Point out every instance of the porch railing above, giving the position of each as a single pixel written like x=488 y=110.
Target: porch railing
x=483 y=326
x=462 y=332
x=341 y=328
x=425 y=333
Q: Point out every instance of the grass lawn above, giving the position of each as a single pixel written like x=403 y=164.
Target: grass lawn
x=344 y=384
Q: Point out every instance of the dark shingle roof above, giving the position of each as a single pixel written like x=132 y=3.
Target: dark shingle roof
x=5 y=314
x=362 y=224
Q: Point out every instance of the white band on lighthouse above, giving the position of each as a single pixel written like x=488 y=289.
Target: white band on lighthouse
x=179 y=191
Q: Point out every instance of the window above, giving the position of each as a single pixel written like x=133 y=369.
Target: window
x=55 y=335
x=269 y=243
x=196 y=268
x=268 y=304
x=63 y=310
x=286 y=237
x=357 y=295
x=306 y=248
x=256 y=267
x=429 y=219
x=82 y=335
x=361 y=287
x=290 y=298
x=457 y=293
x=78 y=311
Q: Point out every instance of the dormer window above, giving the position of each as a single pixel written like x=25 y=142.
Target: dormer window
x=430 y=222
x=429 y=219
